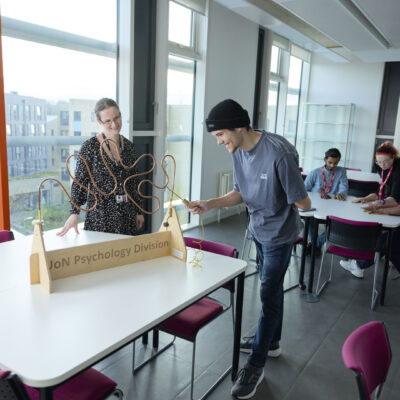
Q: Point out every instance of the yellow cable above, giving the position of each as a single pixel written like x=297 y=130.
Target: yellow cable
x=198 y=253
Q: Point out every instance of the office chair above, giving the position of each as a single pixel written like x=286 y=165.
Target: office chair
x=351 y=239
x=187 y=323
x=367 y=352
x=362 y=188
x=88 y=385
x=352 y=169
x=5 y=236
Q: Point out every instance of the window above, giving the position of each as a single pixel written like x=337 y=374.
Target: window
x=287 y=87
x=181 y=79
x=180 y=24
x=272 y=110
x=293 y=99
x=76 y=52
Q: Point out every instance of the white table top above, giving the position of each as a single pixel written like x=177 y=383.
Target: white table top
x=363 y=176
x=347 y=210
x=47 y=338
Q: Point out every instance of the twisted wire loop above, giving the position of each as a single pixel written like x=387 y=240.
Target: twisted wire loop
x=127 y=167
x=198 y=253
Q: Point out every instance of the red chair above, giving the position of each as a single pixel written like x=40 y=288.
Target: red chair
x=367 y=352
x=351 y=239
x=88 y=385
x=5 y=236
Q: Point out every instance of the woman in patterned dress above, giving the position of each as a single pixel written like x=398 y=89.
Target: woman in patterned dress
x=114 y=213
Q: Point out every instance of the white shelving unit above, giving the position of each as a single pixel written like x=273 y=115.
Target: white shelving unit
x=324 y=126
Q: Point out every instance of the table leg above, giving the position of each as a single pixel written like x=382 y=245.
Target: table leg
x=386 y=268
x=303 y=253
x=238 y=325
x=310 y=297
x=46 y=393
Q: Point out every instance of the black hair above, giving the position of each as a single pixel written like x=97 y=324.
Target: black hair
x=334 y=153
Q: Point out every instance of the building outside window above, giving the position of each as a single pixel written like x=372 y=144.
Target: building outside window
x=42 y=97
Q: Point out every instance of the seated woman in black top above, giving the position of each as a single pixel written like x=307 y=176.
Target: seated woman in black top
x=114 y=213
x=383 y=202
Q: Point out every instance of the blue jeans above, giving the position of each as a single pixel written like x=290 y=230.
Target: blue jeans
x=274 y=262
x=321 y=239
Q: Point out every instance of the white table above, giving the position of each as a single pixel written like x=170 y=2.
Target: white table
x=363 y=176
x=347 y=210
x=48 y=338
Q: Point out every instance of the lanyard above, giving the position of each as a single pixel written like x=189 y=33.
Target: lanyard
x=121 y=145
x=383 y=182
x=330 y=183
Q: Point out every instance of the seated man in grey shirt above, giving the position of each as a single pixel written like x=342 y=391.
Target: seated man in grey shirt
x=267 y=178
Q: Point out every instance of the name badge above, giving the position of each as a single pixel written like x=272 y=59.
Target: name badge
x=123 y=198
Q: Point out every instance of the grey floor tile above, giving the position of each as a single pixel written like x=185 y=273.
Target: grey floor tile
x=310 y=366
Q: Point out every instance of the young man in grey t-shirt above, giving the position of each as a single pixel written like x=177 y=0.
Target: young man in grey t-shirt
x=268 y=180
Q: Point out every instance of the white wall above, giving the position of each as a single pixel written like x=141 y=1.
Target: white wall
x=358 y=83
x=230 y=73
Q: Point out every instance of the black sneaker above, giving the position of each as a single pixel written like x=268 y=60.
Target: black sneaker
x=247 y=342
x=249 y=377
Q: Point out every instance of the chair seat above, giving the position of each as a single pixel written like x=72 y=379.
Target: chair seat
x=193 y=318
x=348 y=253
x=88 y=385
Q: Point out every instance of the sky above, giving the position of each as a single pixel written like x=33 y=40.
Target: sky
x=52 y=73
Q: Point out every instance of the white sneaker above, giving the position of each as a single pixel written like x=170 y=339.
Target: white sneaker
x=351 y=266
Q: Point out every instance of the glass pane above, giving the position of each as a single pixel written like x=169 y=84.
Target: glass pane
x=293 y=99
x=272 y=110
x=180 y=24
x=50 y=93
x=180 y=90
x=274 y=67
x=90 y=18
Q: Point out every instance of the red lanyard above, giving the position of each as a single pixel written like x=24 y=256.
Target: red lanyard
x=330 y=184
x=383 y=183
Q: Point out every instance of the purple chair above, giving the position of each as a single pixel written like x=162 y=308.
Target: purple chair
x=88 y=385
x=367 y=352
x=351 y=239
x=352 y=169
x=5 y=236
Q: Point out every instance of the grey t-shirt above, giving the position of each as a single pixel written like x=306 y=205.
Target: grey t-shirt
x=270 y=182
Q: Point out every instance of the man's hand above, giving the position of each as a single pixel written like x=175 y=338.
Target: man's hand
x=199 y=206
x=339 y=197
x=139 y=221
x=323 y=194
x=71 y=222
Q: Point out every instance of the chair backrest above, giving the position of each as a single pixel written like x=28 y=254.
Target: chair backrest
x=367 y=352
x=355 y=235
x=362 y=188
x=11 y=387
x=352 y=169
x=5 y=236
x=212 y=247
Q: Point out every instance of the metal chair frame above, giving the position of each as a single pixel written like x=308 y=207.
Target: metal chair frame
x=342 y=234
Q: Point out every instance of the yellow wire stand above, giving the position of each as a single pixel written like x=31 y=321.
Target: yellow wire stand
x=198 y=253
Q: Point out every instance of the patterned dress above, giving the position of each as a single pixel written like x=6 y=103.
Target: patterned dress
x=108 y=216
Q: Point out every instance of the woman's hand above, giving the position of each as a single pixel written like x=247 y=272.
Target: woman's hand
x=139 y=221
x=71 y=222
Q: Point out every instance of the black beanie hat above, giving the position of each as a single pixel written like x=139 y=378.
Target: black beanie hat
x=227 y=115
